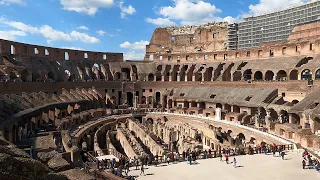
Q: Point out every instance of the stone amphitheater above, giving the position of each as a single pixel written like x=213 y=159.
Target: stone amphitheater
x=61 y=110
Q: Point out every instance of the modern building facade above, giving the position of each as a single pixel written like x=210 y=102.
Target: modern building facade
x=276 y=26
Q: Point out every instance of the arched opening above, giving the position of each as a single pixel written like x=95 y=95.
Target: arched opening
x=150 y=77
x=294 y=102
x=306 y=74
x=273 y=114
x=317 y=77
x=227 y=107
x=12 y=49
x=66 y=56
x=170 y=103
x=295 y=118
x=51 y=75
x=36 y=77
x=269 y=76
x=294 y=75
x=46 y=52
x=236 y=109
x=282 y=75
x=130 y=99
x=150 y=100
x=158 y=98
x=127 y=73
x=85 y=55
x=237 y=76
x=143 y=100
x=247 y=74
x=158 y=76
x=117 y=76
x=218 y=105
x=67 y=75
x=24 y=75
x=258 y=76
x=241 y=136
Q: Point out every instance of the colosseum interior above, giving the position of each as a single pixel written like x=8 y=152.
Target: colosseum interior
x=190 y=92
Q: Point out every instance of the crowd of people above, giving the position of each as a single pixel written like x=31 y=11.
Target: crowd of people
x=310 y=163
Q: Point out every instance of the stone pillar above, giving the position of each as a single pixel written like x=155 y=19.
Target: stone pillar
x=202 y=76
x=218 y=114
x=193 y=77
x=170 y=77
x=162 y=77
x=178 y=77
x=186 y=78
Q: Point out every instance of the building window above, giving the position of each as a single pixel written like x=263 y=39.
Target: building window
x=311 y=46
x=248 y=53
x=105 y=90
x=160 y=58
x=260 y=53
x=143 y=90
x=169 y=58
x=214 y=35
x=215 y=56
x=237 y=54
x=205 y=57
x=187 y=57
x=283 y=94
x=271 y=53
x=150 y=90
x=284 y=50
x=112 y=90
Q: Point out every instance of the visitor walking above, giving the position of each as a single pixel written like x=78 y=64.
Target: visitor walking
x=303 y=164
x=282 y=155
x=227 y=159
x=142 y=170
x=234 y=162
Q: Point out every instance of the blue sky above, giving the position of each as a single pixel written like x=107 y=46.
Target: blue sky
x=115 y=26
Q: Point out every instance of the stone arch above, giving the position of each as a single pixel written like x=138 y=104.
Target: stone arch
x=294 y=102
x=237 y=76
x=117 y=76
x=150 y=77
x=219 y=105
x=317 y=75
x=269 y=76
x=158 y=76
x=51 y=75
x=282 y=75
x=143 y=100
x=36 y=76
x=127 y=73
x=236 y=109
x=66 y=56
x=24 y=75
x=306 y=74
x=273 y=114
x=295 y=118
x=227 y=107
x=293 y=75
x=258 y=76
x=247 y=74
x=241 y=136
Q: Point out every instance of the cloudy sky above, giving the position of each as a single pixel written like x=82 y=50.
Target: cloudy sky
x=115 y=26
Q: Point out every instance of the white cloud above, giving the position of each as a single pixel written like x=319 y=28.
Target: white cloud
x=83 y=27
x=10 y=35
x=53 y=35
x=100 y=32
x=187 y=12
x=160 y=21
x=267 y=5
x=50 y=33
x=126 y=9
x=73 y=48
x=140 y=45
x=118 y=30
x=134 y=55
x=89 y=7
x=19 y=2
x=84 y=37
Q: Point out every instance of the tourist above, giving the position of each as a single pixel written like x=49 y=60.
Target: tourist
x=205 y=154
x=234 y=162
x=183 y=156
x=190 y=159
x=113 y=162
x=142 y=170
x=282 y=155
x=220 y=156
x=227 y=158
x=303 y=164
x=210 y=153
x=137 y=163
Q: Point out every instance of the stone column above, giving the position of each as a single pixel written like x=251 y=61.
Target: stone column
x=290 y=119
x=193 y=77
x=218 y=114
x=186 y=78
x=178 y=77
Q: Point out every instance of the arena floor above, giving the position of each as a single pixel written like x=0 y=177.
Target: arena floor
x=262 y=167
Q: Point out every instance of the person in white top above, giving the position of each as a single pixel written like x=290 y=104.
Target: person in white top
x=234 y=162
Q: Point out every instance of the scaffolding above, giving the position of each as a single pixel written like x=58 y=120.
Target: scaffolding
x=275 y=26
